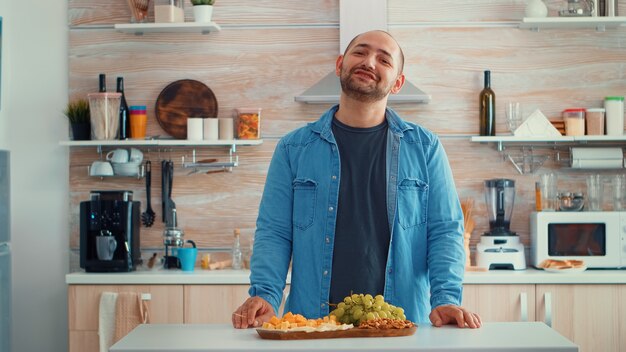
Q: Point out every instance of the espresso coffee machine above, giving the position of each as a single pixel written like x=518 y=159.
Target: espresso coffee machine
x=109 y=232
x=500 y=248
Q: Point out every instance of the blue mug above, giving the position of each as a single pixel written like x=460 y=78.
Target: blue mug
x=187 y=256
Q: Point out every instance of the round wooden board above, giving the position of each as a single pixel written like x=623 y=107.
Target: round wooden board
x=180 y=100
x=354 y=332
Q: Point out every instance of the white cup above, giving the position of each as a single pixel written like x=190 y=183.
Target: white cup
x=118 y=156
x=105 y=247
x=101 y=168
x=211 y=129
x=194 y=128
x=226 y=128
x=135 y=156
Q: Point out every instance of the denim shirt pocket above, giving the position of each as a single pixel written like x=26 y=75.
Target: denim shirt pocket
x=412 y=198
x=304 y=197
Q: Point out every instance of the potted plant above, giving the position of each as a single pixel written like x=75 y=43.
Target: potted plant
x=77 y=112
x=202 y=10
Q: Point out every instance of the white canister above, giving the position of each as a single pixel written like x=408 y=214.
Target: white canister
x=614 y=115
x=211 y=129
x=226 y=128
x=194 y=128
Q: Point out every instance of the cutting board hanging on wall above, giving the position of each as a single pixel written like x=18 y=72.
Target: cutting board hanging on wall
x=180 y=100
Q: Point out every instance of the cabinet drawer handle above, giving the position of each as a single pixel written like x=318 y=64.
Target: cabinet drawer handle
x=146 y=296
x=547 y=300
x=523 y=296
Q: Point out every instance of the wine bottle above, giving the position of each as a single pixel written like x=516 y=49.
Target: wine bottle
x=487 y=108
x=102 y=83
x=124 y=119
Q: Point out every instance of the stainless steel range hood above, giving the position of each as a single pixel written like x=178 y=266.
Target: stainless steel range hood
x=358 y=16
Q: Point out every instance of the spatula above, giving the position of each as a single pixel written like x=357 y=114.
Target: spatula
x=147 y=217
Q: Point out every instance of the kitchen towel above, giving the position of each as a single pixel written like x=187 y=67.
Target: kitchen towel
x=106 y=320
x=130 y=311
x=596 y=158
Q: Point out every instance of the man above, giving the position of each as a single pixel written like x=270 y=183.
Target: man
x=360 y=201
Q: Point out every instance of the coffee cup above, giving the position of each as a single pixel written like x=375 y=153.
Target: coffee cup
x=118 y=156
x=135 y=155
x=105 y=247
x=187 y=256
x=101 y=168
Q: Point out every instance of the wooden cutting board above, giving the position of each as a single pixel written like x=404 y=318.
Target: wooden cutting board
x=180 y=100
x=355 y=332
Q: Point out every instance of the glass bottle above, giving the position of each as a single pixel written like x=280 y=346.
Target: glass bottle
x=102 y=83
x=237 y=255
x=487 y=108
x=124 y=119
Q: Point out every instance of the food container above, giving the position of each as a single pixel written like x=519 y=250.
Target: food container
x=104 y=109
x=169 y=11
x=571 y=201
x=248 y=123
x=594 y=120
x=614 y=115
x=574 y=121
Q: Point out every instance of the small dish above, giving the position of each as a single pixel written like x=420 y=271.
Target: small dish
x=566 y=271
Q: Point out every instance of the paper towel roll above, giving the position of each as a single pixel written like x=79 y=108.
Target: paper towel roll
x=226 y=128
x=194 y=128
x=211 y=129
x=596 y=158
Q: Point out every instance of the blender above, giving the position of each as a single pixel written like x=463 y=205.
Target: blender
x=500 y=248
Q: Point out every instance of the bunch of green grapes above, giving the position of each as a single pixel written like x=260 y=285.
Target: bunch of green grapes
x=357 y=308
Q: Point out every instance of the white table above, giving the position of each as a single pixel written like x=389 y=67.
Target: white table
x=500 y=337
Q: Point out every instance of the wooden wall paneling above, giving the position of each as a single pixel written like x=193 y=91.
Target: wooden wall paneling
x=260 y=68
x=239 y=12
x=549 y=70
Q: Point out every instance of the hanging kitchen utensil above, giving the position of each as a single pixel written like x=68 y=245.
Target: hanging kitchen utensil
x=164 y=192
x=170 y=203
x=180 y=100
x=147 y=217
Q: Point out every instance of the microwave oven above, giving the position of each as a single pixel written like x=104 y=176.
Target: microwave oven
x=596 y=237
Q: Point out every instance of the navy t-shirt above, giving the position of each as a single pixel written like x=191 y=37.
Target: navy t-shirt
x=362 y=230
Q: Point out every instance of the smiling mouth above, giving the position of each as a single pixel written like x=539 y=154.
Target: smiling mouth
x=365 y=74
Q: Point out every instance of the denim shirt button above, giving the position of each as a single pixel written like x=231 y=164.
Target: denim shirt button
x=327 y=239
x=325 y=272
x=323 y=305
x=331 y=208
x=389 y=270
x=334 y=177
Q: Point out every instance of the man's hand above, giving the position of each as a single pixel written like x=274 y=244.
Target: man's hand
x=253 y=312
x=451 y=314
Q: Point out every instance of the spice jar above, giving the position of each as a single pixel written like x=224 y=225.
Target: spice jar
x=594 y=121
x=169 y=11
x=248 y=123
x=614 y=115
x=574 y=121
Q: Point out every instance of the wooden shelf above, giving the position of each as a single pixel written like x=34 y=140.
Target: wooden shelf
x=185 y=27
x=599 y=23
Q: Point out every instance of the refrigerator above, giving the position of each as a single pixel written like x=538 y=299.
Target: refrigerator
x=5 y=254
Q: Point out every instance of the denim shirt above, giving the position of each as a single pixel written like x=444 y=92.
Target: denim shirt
x=297 y=215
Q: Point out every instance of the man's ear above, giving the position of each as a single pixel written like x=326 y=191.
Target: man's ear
x=338 y=64
x=398 y=84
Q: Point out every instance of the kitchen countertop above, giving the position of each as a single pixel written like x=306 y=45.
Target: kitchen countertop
x=500 y=337
x=241 y=277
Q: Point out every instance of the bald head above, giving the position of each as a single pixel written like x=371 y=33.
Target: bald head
x=400 y=55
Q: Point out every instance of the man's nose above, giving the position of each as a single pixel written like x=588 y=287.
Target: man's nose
x=370 y=61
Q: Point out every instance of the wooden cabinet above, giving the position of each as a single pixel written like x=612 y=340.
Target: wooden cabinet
x=593 y=316
x=212 y=303
x=216 y=303
x=165 y=306
x=501 y=302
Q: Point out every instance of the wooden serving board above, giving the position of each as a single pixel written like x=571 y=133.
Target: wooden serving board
x=180 y=100
x=354 y=332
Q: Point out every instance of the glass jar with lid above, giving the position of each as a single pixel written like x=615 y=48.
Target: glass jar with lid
x=169 y=11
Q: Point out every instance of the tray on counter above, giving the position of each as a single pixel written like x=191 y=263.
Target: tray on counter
x=354 y=332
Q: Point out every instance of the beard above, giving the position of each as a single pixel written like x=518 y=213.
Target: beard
x=355 y=89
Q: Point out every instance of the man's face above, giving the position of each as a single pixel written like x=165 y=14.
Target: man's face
x=369 y=70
